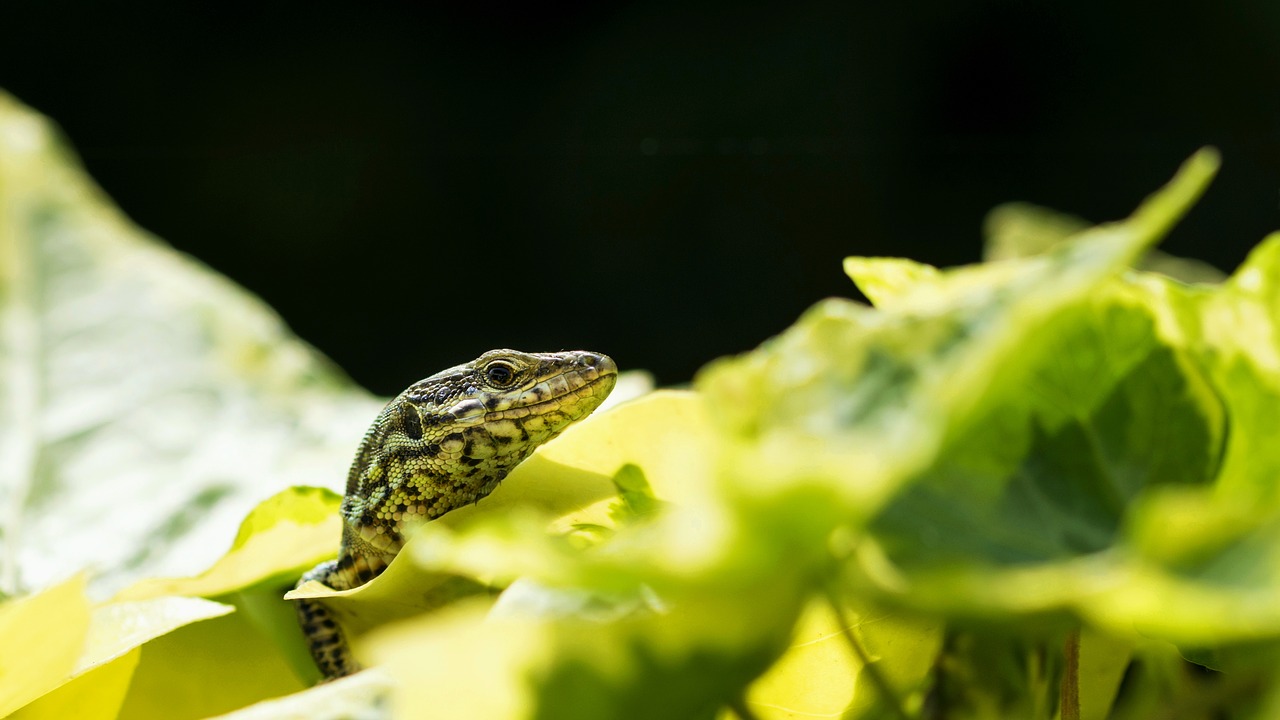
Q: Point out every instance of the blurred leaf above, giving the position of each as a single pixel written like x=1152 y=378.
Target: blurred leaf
x=631 y=384
x=1137 y=390
x=1016 y=230
x=43 y=635
x=684 y=663
x=137 y=380
x=1171 y=386
x=1103 y=661
x=118 y=627
x=819 y=675
x=646 y=621
x=1050 y=466
x=1019 y=230
x=1233 y=330
x=851 y=402
x=1204 y=564
x=882 y=279
x=636 y=500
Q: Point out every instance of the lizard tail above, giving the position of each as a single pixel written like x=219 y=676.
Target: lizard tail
x=324 y=636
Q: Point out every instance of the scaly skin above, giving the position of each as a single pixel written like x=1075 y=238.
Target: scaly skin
x=445 y=442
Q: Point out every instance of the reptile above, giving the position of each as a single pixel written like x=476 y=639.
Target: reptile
x=443 y=443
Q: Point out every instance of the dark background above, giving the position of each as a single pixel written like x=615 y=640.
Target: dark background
x=411 y=186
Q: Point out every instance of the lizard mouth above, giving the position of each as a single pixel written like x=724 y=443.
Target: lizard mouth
x=573 y=392
x=588 y=395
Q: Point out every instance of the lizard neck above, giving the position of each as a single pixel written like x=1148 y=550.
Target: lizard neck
x=447 y=441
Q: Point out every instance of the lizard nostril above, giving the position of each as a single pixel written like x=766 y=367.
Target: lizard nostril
x=602 y=364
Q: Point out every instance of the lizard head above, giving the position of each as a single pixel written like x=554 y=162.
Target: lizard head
x=519 y=399
x=449 y=439
x=492 y=412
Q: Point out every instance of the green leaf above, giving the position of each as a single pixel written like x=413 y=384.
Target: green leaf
x=1130 y=481
x=1216 y=551
x=136 y=379
x=636 y=500
x=1016 y=230
x=850 y=403
x=1103 y=661
x=1050 y=466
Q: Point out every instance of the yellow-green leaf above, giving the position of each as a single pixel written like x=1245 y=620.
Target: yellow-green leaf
x=43 y=636
x=207 y=668
x=105 y=667
x=882 y=279
x=285 y=535
x=95 y=695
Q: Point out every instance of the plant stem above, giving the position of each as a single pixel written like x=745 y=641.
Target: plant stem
x=869 y=668
x=1069 y=697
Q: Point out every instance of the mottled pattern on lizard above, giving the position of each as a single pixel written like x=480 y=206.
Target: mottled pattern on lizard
x=445 y=442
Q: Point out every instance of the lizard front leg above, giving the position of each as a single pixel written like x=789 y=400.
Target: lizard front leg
x=323 y=634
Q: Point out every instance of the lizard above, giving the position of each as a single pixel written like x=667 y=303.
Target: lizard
x=445 y=442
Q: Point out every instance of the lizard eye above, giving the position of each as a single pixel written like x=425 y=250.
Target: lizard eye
x=499 y=373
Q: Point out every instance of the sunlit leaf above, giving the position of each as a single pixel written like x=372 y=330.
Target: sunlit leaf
x=207 y=668
x=97 y=695
x=285 y=536
x=44 y=636
x=681 y=663
x=137 y=380
x=101 y=677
